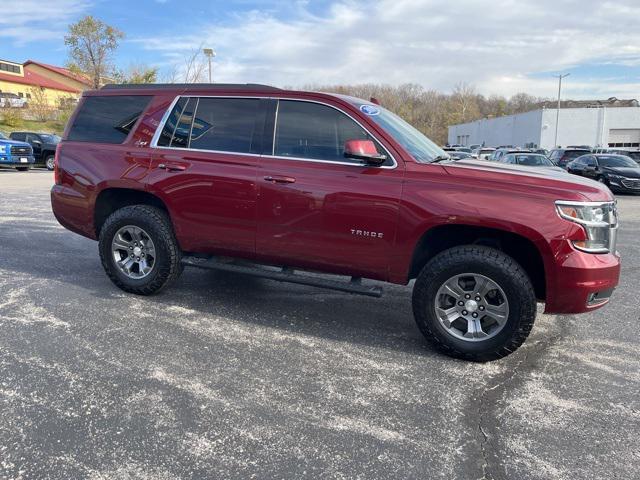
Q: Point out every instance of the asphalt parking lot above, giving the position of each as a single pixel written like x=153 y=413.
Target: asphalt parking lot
x=224 y=376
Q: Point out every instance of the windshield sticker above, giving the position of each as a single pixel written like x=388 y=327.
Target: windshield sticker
x=370 y=109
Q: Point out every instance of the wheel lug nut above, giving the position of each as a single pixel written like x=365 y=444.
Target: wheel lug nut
x=464 y=312
x=481 y=307
x=142 y=255
x=461 y=303
x=138 y=259
x=474 y=315
x=467 y=296
x=130 y=247
x=478 y=299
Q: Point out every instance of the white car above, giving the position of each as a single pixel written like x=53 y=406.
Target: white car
x=12 y=100
x=482 y=153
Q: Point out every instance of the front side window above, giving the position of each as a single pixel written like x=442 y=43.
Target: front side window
x=316 y=131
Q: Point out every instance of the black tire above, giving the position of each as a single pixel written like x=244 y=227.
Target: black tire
x=157 y=224
x=497 y=266
x=22 y=169
x=48 y=162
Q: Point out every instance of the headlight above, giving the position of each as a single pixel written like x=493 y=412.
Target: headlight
x=616 y=177
x=3 y=148
x=599 y=221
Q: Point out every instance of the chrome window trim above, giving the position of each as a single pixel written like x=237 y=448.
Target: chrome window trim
x=156 y=136
x=163 y=120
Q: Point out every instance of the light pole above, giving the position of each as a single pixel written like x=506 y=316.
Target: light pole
x=210 y=54
x=559 y=77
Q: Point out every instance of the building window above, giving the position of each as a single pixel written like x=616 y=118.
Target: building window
x=20 y=94
x=7 y=67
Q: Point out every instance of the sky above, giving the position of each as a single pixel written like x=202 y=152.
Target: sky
x=500 y=47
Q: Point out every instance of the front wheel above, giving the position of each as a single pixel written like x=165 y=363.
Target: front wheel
x=50 y=162
x=138 y=249
x=474 y=302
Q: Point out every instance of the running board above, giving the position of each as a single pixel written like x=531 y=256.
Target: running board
x=284 y=274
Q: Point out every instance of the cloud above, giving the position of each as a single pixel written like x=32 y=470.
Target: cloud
x=27 y=21
x=497 y=45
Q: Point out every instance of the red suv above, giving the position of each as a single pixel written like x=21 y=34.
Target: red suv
x=270 y=182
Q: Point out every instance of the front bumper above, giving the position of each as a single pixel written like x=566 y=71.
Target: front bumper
x=582 y=281
x=631 y=185
x=17 y=160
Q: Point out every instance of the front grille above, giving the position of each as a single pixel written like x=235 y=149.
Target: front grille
x=20 y=150
x=633 y=183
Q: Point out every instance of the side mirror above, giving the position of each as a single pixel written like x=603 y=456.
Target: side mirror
x=363 y=150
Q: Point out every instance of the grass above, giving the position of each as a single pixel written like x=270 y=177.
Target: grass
x=50 y=126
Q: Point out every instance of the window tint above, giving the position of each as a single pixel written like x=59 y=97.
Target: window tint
x=314 y=131
x=226 y=124
x=107 y=119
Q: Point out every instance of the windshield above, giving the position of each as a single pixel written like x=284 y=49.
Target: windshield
x=50 y=138
x=534 y=160
x=411 y=139
x=574 y=153
x=3 y=136
x=616 y=161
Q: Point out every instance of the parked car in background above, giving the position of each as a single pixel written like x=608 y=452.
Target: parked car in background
x=500 y=152
x=562 y=156
x=475 y=146
x=459 y=155
x=43 y=144
x=333 y=184
x=12 y=100
x=530 y=160
x=18 y=155
x=619 y=172
x=540 y=151
x=482 y=153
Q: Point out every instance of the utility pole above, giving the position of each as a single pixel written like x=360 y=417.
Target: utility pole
x=210 y=54
x=559 y=77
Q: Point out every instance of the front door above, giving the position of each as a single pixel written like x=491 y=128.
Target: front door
x=318 y=209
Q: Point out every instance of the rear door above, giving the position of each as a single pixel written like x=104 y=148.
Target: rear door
x=204 y=168
x=318 y=209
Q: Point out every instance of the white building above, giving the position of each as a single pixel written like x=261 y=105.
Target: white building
x=589 y=123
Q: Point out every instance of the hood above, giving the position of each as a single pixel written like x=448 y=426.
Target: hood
x=14 y=143
x=630 y=172
x=555 y=182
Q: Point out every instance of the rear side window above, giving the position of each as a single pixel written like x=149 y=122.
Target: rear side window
x=107 y=119
x=314 y=131
x=226 y=125
x=220 y=124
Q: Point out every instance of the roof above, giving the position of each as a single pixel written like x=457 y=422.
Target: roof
x=32 y=78
x=191 y=86
x=62 y=71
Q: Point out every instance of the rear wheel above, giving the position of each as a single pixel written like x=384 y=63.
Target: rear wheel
x=49 y=162
x=474 y=302
x=138 y=249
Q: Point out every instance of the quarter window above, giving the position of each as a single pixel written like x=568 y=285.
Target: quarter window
x=107 y=119
x=315 y=131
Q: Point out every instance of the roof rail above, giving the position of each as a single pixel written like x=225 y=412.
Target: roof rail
x=192 y=86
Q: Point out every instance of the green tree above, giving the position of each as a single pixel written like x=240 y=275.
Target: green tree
x=91 y=45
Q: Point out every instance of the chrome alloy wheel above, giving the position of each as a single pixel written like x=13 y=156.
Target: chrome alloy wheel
x=133 y=252
x=471 y=307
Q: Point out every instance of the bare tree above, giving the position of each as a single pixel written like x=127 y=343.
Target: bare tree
x=193 y=69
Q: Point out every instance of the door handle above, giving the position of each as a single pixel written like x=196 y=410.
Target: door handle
x=280 y=179
x=172 y=167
